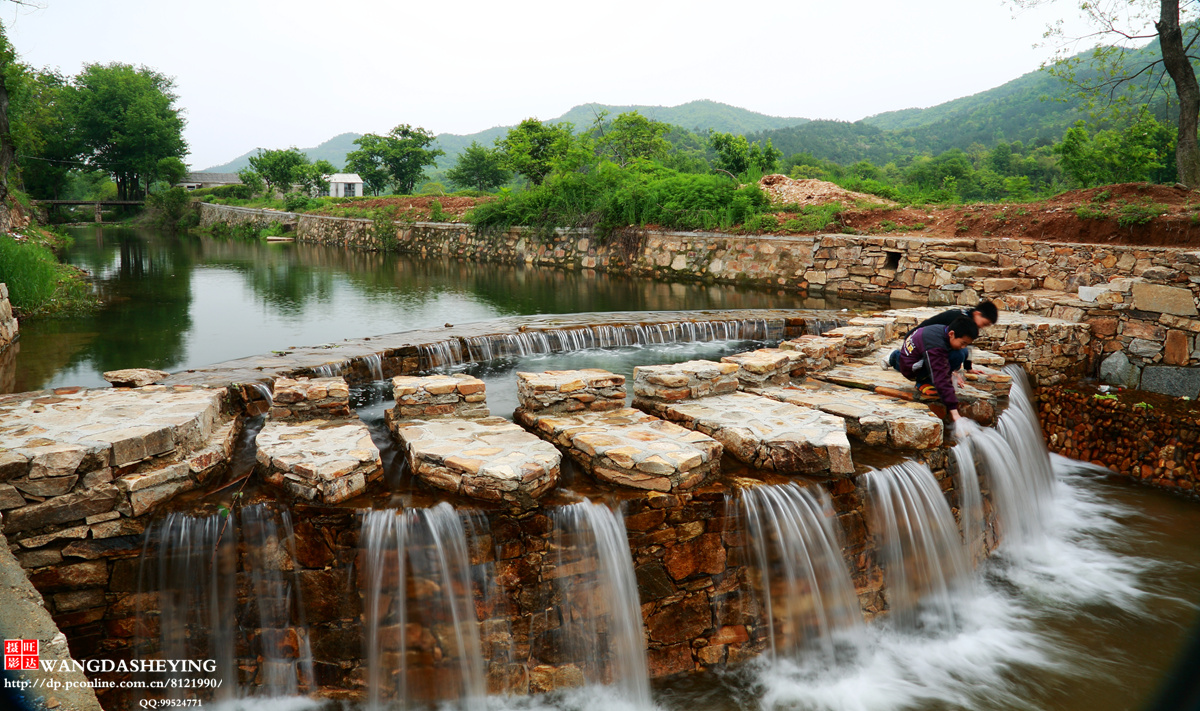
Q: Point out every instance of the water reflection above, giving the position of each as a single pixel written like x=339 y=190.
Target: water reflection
x=175 y=302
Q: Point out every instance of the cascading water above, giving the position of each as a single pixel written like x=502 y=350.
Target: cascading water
x=329 y=370
x=923 y=557
x=419 y=607
x=600 y=625
x=804 y=584
x=1016 y=465
x=196 y=578
x=374 y=363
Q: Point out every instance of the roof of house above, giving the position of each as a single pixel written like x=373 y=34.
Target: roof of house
x=230 y=178
x=345 y=178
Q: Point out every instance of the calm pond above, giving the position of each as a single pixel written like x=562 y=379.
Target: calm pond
x=176 y=302
x=1090 y=619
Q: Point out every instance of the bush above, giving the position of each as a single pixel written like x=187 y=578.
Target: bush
x=1131 y=215
x=236 y=192
x=814 y=218
x=436 y=214
x=37 y=283
x=295 y=202
x=167 y=208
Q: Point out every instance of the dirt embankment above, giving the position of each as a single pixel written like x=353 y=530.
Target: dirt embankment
x=1128 y=214
x=409 y=208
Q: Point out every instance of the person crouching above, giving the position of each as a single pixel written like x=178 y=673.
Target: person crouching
x=931 y=354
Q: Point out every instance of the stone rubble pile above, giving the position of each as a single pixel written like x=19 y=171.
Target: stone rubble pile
x=305 y=399
x=433 y=396
x=762 y=368
x=763 y=433
x=563 y=391
x=620 y=446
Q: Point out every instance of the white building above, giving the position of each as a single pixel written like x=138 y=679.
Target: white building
x=344 y=185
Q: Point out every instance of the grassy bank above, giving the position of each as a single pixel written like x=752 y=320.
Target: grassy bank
x=38 y=285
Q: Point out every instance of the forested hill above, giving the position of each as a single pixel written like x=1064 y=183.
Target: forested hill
x=1027 y=109
x=694 y=115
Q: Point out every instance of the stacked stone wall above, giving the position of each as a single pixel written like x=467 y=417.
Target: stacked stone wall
x=1151 y=440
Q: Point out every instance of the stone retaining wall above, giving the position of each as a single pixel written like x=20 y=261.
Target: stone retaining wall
x=9 y=329
x=1152 y=440
x=1156 y=331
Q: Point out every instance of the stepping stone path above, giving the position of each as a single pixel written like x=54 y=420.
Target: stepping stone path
x=312 y=446
x=764 y=433
x=583 y=412
x=76 y=456
x=454 y=444
x=765 y=367
x=977 y=404
x=859 y=340
x=812 y=353
x=873 y=418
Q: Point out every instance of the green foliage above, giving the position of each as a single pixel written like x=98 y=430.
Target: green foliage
x=383 y=229
x=738 y=156
x=630 y=137
x=42 y=124
x=127 y=122
x=237 y=192
x=400 y=157
x=533 y=149
x=299 y=202
x=37 y=284
x=1085 y=212
x=436 y=214
x=244 y=231
x=814 y=218
x=168 y=208
x=311 y=176
x=1115 y=156
x=278 y=168
x=275 y=229
x=251 y=181
x=1139 y=214
x=480 y=168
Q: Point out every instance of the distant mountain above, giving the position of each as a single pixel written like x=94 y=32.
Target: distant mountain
x=694 y=115
x=334 y=150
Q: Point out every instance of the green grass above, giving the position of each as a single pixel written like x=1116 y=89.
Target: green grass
x=37 y=284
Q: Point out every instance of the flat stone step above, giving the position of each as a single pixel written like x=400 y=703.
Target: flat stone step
x=859 y=340
x=319 y=460
x=627 y=447
x=485 y=458
x=974 y=403
x=873 y=418
x=764 y=433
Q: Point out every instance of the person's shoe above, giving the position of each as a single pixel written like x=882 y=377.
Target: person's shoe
x=885 y=361
x=927 y=391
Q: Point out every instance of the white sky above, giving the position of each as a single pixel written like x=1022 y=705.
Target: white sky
x=275 y=73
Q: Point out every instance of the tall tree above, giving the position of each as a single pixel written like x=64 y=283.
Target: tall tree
x=127 y=122
x=367 y=162
x=631 y=137
x=403 y=155
x=479 y=167
x=1126 y=22
x=532 y=148
x=278 y=167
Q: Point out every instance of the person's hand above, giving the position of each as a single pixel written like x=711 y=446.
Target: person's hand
x=958 y=379
x=976 y=371
x=954 y=416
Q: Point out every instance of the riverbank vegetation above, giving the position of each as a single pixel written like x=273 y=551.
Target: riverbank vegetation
x=38 y=285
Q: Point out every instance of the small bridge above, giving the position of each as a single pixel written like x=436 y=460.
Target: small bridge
x=99 y=204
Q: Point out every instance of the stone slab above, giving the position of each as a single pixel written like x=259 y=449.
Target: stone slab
x=813 y=353
x=1172 y=380
x=564 y=391
x=684 y=381
x=974 y=403
x=630 y=448
x=426 y=397
x=873 y=418
x=318 y=460
x=486 y=458
x=301 y=399
x=859 y=339
x=1164 y=299
x=764 y=433
x=761 y=368
x=135 y=377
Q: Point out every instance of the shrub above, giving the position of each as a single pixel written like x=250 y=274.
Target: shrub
x=296 y=202
x=37 y=283
x=1131 y=215
x=814 y=218
x=1085 y=212
x=168 y=207
x=436 y=214
x=237 y=192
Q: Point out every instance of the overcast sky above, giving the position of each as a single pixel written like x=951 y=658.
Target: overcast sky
x=276 y=73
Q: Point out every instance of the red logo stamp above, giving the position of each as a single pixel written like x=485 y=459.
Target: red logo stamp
x=20 y=654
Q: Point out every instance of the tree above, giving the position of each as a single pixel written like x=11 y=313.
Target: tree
x=170 y=170
x=252 y=180
x=278 y=167
x=479 y=168
x=1115 y=74
x=631 y=137
x=367 y=162
x=311 y=177
x=532 y=148
x=1112 y=156
x=127 y=121
x=736 y=155
x=42 y=130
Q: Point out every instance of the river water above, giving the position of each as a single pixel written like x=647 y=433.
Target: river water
x=176 y=302
x=1090 y=617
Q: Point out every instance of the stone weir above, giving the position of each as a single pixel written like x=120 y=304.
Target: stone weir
x=84 y=473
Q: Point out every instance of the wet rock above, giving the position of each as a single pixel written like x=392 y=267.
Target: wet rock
x=63 y=509
x=684 y=381
x=761 y=368
x=433 y=396
x=1117 y=369
x=135 y=377
x=566 y=391
x=871 y=417
x=1169 y=380
x=320 y=461
x=304 y=399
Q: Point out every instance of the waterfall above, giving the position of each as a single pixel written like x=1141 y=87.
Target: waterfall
x=600 y=626
x=1016 y=465
x=970 y=503
x=264 y=390
x=329 y=370
x=923 y=558
x=457 y=351
x=374 y=363
x=419 y=606
x=196 y=576
x=804 y=583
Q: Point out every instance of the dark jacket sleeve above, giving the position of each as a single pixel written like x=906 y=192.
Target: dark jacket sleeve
x=939 y=372
x=945 y=318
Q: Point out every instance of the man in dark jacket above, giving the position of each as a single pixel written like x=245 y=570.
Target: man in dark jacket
x=984 y=314
x=927 y=354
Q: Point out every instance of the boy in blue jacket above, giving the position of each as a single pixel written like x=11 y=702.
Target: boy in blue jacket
x=929 y=356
